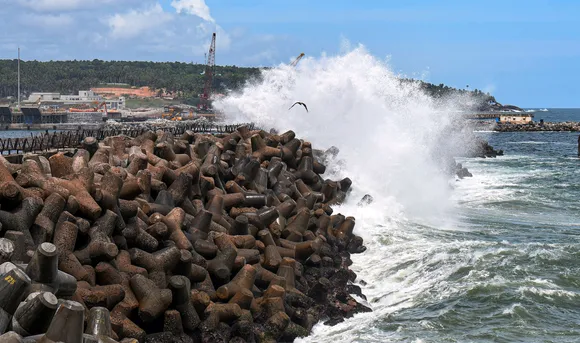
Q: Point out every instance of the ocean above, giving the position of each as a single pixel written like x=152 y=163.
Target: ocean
x=556 y=114
x=491 y=258
x=505 y=269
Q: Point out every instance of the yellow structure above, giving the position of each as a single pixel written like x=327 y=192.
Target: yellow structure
x=516 y=118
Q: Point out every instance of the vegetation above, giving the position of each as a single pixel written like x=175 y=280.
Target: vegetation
x=68 y=77
x=186 y=80
x=480 y=100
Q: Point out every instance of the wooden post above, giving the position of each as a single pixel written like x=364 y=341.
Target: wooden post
x=578 y=146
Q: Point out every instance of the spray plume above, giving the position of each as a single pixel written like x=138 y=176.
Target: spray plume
x=388 y=131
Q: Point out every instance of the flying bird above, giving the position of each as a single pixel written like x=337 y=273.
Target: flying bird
x=299 y=103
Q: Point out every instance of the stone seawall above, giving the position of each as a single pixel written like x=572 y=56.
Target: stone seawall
x=537 y=126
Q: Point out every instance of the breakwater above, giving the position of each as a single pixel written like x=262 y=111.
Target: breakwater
x=538 y=126
x=43 y=142
x=166 y=237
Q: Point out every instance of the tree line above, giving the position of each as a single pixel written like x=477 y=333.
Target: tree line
x=69 y=77
x=187 y=79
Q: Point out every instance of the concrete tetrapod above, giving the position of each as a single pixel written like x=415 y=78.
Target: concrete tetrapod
x=182 y=237
x=66 y=325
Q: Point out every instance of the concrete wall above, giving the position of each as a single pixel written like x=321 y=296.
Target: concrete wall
x=85 y=117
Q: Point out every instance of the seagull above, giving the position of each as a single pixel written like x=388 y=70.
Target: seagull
x=299 y=103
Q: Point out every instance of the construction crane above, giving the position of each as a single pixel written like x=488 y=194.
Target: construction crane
x=209 y=69
x=295 y=62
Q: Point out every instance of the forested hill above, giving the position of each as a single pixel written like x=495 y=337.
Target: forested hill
x=68 y=77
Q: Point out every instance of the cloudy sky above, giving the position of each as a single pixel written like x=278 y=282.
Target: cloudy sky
x=524 y=52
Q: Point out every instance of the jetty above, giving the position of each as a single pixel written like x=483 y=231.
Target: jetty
x=501 y=117
x=539 y=126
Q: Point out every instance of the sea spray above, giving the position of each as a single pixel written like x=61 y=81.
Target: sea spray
x=390 y=134
x=387 y=130
x=472 y=275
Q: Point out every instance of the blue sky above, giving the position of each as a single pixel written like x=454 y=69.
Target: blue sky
x=524 y=52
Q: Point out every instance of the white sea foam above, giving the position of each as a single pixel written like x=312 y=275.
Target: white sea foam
x=511 y=309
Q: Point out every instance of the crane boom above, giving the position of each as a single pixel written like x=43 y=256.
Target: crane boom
x=209 y=68
x=295 y=62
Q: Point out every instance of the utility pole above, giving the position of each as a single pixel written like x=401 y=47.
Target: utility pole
x=19 y=78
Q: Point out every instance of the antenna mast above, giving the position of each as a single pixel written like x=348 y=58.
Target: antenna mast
x=19 y=78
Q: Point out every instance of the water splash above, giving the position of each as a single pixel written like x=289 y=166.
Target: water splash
x=389 y=134
x=427 y=280
x=385 y=129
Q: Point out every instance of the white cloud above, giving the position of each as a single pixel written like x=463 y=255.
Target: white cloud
x=268 y=56
x=129 y=30
x=134 y=23
x=194 y=7
x=200 y=37
x=49 y=21
x=266 y=38
x=60 y=5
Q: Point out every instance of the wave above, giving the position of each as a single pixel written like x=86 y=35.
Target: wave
x=419 y=261
x=386 y=131
x=355 y=102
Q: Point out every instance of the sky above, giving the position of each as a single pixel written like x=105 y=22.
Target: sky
x=525 y=53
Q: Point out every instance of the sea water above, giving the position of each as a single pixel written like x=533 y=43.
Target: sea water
x=492 y=258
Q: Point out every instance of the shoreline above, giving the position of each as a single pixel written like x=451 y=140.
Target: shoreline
x=182 y=237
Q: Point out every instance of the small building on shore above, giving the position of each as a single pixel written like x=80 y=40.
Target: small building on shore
x=43 y=96
x=89 y=98
x=516 y=118
x=83 y=96
x=501 y=117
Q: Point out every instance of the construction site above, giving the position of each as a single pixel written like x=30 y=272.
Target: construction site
x=92 y=108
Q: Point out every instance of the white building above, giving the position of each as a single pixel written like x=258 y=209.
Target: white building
x=44 y=97
x=516 y=118
x=84 y=97
x=117 y=104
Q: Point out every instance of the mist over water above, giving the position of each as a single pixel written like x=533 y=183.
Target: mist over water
x=491 y=258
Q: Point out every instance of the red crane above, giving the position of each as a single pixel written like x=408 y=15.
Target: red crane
x=209 y=69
